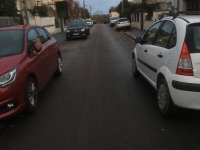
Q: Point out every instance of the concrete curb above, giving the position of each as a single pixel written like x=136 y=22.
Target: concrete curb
x=127 y=34
x=61 y=43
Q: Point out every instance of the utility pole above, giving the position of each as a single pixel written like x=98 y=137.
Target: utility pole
x=122 y=8
x=90 y=11
x=178 y=5
x=84 y=9
x=24 y=11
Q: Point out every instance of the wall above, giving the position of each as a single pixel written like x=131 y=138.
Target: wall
x=147 y=24
x=114 y=14
x=48 y=23
x=135 y=24
x=8 y=21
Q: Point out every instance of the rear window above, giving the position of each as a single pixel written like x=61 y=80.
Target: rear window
x=114 y=18
x=11 y=42
x=122 y=20
x=193 y=38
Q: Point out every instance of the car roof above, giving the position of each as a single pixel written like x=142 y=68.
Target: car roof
x=189 y=19
x=19 y=27
x=188 y=16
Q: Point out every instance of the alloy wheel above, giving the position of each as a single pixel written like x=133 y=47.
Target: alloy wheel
x=162 y=96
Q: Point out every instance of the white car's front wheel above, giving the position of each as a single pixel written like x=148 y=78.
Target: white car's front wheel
x=134 y=67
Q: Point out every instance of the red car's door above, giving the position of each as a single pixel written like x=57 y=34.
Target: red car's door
x=37 y=60
x=51 y=54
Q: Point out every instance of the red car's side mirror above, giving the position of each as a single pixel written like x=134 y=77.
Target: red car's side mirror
x=38 y=47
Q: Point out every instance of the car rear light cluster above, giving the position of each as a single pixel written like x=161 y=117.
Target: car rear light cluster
x=185 y=64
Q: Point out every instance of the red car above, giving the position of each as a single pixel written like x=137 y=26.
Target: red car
x=29 y=56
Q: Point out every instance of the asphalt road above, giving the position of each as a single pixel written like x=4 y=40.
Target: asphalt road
x=97 y=105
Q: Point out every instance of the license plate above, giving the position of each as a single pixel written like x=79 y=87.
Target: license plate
x=76 y=34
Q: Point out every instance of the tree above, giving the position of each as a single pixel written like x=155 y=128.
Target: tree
x=41 y=10
x=126 y=5
x=85 y=14
x=8 y=8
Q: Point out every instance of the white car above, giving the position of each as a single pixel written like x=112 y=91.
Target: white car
x=89 y=22
x=122 y=23
x=168 y=56
x=113 y=20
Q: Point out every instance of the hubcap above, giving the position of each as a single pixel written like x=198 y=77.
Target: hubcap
x=60 y=64
x=162 y=98
x=32 y=93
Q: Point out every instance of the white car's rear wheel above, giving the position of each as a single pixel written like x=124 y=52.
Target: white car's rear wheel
x=164 y=100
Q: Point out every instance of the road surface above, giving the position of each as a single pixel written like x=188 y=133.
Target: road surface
x=97 y=105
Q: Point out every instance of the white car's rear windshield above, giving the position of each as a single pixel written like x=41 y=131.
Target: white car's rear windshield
x=193 y=38
x=123 y=20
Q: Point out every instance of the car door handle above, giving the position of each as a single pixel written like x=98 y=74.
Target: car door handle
x=160 y=55
x=146 y=50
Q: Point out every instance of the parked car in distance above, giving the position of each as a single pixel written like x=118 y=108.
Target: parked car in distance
x=113 y=21
x=106 y=21
x=87 y=28
x=94 y=21
x=123 y=23
x=168 y=56
x=76 y=29
x=89 y=22
x=29 y=56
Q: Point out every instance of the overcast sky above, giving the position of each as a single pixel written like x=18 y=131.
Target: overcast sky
x=99 y=5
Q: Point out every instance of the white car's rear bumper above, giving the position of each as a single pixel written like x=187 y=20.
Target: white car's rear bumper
x=184 y=90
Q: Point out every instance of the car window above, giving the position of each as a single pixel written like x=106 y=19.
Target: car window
x=172 y=39
x=43 y=35
x=11 y=42
x=76 y=24
x=48 y=34
x=122 y=20
x=193 y=38
x=150 y=34
x=164 y=34
x=32 y=39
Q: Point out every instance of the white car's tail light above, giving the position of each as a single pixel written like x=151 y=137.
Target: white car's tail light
x=185 y=64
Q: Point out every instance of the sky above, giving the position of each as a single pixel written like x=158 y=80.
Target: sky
x=99 y=5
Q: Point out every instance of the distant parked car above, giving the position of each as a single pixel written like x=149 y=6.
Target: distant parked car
x=168 y=56
x=76 y=29
x=89 y=22
x=113 y=21
x=123 y=23
x=106 y=21
x=94 y=21
x=29 y=56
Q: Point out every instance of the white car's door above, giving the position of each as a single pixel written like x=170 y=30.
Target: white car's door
x=143 y=48
x=156 y=52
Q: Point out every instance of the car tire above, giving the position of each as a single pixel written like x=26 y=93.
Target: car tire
x=59 y=66
x=135 y=71
x=31 y=95
x=164 y=100
x=85 y=37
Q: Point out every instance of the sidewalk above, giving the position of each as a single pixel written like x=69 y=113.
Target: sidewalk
x=60 y=37
x=134 y=32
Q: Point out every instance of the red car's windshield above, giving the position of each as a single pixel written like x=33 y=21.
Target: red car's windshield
x=11 y=42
